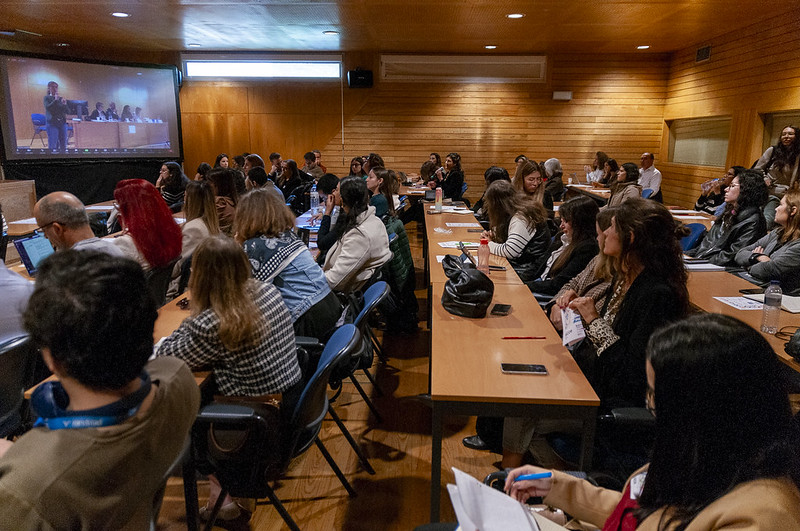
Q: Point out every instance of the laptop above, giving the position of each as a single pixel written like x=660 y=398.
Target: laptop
x=32 y=251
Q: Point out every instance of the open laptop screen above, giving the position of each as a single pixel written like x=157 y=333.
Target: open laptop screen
x=33 y=250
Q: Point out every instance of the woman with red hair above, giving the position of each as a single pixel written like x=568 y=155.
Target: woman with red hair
x=150 y=235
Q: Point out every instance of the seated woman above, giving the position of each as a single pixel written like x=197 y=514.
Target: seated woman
x=648 y=291
x=357 y=168
x=519 y=229
x=492 y=174
x=264 y=225
x=227 y=195
x=362 y=245
x=529 y=180
x=741 y=224
x=776 y=256
x=377 y=180
x=578 y=245
x=172 y=183
x=627 y=185
x=712 y=195
x=149 y=232
x=221 y=161
x=554 y=176
x=201 y=222
x=609 y=177
x=241 y=329
x=289 y=179
x=725 y=453
x=595 y=172
x=451 y=179
x=595 y=279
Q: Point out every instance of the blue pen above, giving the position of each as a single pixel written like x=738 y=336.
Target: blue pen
x=540 y=475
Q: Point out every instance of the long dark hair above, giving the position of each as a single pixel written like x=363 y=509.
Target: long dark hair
x=581 y=213
x=175 y=182
x=752 y=192
x=649 y=233
x=224 y=181
x=388 y=187
x=355 y=196
x=503 y=202
x=783 y=156
x=722 y=416
x=361 y=172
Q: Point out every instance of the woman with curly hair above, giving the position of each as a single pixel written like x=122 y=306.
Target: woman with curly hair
x=450 y=179
x=781 y=161
x=741 y=223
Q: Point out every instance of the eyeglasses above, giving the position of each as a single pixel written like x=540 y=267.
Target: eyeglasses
x=41 y=229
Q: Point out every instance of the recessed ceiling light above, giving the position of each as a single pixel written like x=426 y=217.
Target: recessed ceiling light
x=490 y=46
x=194 y=45
x=120 y=14
x=62 y=44
x=515 y=15
x=330 y=32
x=642 y=47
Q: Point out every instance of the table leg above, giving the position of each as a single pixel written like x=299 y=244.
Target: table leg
x=436 y=462
x=587 y=440
x=190 y=492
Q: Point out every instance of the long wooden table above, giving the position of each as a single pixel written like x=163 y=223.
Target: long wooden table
x=465 y=375
x=705 y=285
x=601 y=195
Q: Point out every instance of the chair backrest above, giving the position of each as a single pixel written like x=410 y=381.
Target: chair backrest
x=158 y=282
x=17 y=363
x=372 y=297
x=38 y=119
x=646 y=193
x=312 y=406
x=698 y=230
x=464 y=188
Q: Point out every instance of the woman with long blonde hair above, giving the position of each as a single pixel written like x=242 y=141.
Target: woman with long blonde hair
x=776 y=256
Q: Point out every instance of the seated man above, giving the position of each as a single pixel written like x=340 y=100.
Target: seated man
x=311 y=167
x=110 y=429
x=62 y=219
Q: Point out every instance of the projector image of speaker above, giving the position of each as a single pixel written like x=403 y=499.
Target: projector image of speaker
x=359 y=78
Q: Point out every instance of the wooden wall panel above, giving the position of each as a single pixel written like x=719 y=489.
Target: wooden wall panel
x=751 y=72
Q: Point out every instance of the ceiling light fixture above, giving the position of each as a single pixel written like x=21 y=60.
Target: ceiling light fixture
x=515 y=15
x=490 y=46
x=120 y=14
x=643 y=47
x=194 y=45
x=330 y=32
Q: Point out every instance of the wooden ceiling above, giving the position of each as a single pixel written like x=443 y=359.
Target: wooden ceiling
x=406 y=26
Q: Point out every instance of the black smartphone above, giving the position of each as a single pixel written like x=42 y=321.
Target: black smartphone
x=474 y=230
x=523 y=368
x=501 y=309
x=752 y=291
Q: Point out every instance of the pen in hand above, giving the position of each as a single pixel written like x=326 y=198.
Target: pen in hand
x=540 y=475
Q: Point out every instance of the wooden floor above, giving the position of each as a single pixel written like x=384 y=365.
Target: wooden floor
x=399 y=448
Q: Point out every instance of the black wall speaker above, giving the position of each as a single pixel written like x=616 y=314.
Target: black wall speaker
x=359 y=78
x=703 y=54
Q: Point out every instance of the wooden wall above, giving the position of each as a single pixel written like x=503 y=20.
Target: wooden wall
x=751 y=72
x=617 y=106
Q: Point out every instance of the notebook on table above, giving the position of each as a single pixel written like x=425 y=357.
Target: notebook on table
x=32 y=250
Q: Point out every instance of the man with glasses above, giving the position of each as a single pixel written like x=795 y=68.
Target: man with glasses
x=63 y=220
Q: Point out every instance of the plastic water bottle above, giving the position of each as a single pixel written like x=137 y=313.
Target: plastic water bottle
x=438 y=199
x=772 y=308
x=483 y=256
x=314 y=199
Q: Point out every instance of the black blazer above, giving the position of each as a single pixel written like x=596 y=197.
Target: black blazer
x=618 y=374
x=581 y=255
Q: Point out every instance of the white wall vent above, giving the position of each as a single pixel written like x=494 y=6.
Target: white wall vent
x=464 y=68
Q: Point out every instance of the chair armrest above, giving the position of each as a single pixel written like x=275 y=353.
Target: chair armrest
x=308 y=342
x=630 y=416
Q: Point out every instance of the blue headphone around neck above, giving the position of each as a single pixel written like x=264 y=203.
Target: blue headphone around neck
x=49 y=402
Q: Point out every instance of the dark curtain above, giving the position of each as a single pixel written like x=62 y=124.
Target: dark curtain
x=90 y=181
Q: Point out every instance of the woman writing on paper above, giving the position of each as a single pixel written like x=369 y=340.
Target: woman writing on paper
x=725 y=454
x=776 y=256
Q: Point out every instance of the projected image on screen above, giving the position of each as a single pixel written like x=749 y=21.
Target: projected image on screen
x=63 y=109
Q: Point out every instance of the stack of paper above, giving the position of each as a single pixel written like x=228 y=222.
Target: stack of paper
x=788 y=303
x=479 y=507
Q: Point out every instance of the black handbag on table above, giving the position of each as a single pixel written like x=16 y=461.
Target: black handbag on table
x=467 y=292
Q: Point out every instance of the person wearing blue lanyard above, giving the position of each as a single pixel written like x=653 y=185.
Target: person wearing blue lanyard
x=110 y=428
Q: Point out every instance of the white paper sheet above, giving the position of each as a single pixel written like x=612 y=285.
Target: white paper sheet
x=488 y=509
x=741 y=303
x=682 y=211
x=103 y=208
x=572 y=327
x=703 y=266
x=788 y=303
x=454 y=245
x=468 y=225
x=689 y=217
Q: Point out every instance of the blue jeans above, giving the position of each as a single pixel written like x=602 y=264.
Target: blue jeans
x=57 y=137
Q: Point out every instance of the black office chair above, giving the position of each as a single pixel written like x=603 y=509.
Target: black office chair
x=39 y=126
x=248 y=446
x=17 y=365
